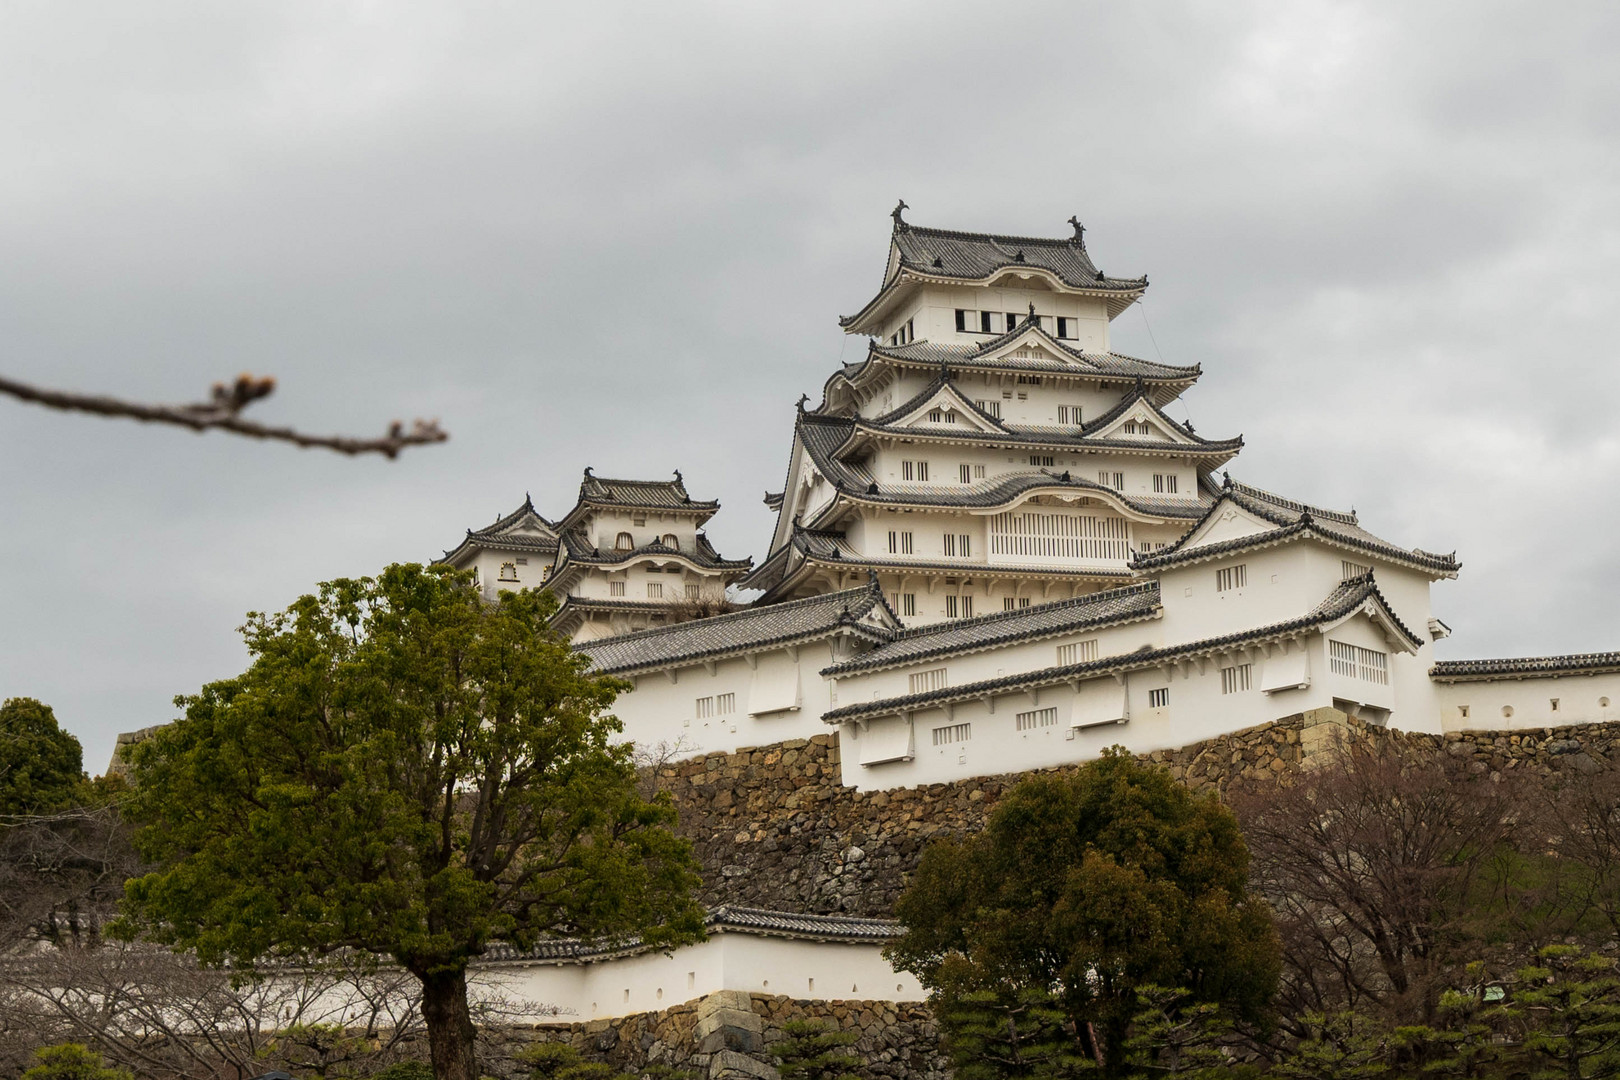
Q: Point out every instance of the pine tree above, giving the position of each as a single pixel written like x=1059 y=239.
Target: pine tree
x=1569 y=1007
x=816 y=1050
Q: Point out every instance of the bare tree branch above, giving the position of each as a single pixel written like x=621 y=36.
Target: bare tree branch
x=223 y=411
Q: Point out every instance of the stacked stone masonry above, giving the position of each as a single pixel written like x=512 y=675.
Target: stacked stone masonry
x=730 y=1035
x=774 y=827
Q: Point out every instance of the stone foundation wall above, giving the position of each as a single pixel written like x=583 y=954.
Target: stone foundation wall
x=775 y=828
x=730 y=1035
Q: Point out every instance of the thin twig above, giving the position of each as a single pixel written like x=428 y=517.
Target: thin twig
x=223 y=411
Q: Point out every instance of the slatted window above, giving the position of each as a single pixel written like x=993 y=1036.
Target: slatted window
x=924 y=681
x=1013 y=603
x=1160 y=698
x=1355 y=662
x=725 y=704
x=1041 y=460
x=1164 y=483
x=1231 y=577
x=1069 y=414
x=655 y=590
x=914 y=470
x=952 y=733
x=691 y=590
x=965 y=472
x=705 y=707
x=615 y=588
x=1059 y=536
x=1035 y=718
x=1352 y=570
x=1236 y=679
x=1031 y=380
x=901 y=543
x=1077 y=652
x=905 y=603
x=958 y=545
x=986 y=326
x=959 y=607
x=1115 y=480
x=991 y=407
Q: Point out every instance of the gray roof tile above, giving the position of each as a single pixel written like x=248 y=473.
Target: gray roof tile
x=1525 y=667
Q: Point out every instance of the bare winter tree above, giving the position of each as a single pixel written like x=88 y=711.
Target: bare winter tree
x=61 y=875
x=223 y=411
x=1386 y=873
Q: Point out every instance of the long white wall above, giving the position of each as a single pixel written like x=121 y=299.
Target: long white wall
x=1518 y=704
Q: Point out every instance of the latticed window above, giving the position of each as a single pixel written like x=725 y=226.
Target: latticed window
x=1352 y=569
x=924 y=681
x=1164 y=483
x=1231 y=577
x=655 y=590
x=901 y=543
x=691 y=590
x=959 y=607
x=509 y=571
x=952 y=733
x=1035 y=718
x=1059 y=536
x=725 y=703
x=1108 y=479
x=1355 y=662
x=1236 y=679
x=672 y=541
x=705 y=707
x=615 y=588
x=1077 y=652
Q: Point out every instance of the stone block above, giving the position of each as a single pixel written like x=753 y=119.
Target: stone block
x=728 y=1064
x=736 y=1000
x=742 y=1019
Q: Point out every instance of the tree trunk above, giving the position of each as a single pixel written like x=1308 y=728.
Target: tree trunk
x=449 y=1025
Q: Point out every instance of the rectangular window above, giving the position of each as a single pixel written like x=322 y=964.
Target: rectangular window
x=1065 y=327
x=957 y=545
x=1352 y=661
x=1231 y=577
x=705 y=707
x=1078 y=652
x=1115 y=480
x=908 y=470
x=924 y=681
x=966 y=473
x=615 y=588
x=1023 y=395
x=1012 y=321
x=1029 y=380
x=985 y=325
x=1035 y=718
x=691 y=590
x=1164 y=483
x=655 y=590
x=992 y=407
x=1235 y=680
x=953 y=733
x=638 y=521
x=1554 y=702
x=1069 y=414
x=908 y=603
x=1063 y=536
x=1006 y=395
x=959 y=607
x=1041 y=460
x=900 y=543
x=961 y=321
x=725 y=704
x=1160 y=698
x=1352 y=570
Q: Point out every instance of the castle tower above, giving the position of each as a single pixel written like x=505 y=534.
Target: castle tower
x=990 y=452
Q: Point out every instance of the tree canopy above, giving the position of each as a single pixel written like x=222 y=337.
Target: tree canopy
x=408 y=770
x=41 y=766
x=1089 y=888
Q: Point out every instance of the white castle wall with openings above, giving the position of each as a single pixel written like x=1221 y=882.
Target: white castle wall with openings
x=995 y=551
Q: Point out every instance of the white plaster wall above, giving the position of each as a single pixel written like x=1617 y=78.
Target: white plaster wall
x=660 y=710
x=1582 y=699
x=604 y=526
x=933 y=311
x=726 y=961
x=1197 y=710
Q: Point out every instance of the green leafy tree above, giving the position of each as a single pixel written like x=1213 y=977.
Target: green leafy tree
x=1338 y=1046
x=1092 y=887
x=1568 y=1006
x=41 y=766
x=1173 y=1035
x=560 y=1061
x=71 y=1061
x=1009 y=1035
x=407 y=770
x=815 y=1050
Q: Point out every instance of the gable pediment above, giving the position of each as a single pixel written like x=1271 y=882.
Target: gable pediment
x=945 y=410
x=1229 y=523
x=1143 y=422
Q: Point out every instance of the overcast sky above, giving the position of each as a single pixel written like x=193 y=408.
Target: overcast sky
x=620 y=236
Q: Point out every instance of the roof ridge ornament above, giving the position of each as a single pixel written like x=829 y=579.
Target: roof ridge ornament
x=899 y=222
x=802 y=399
x=1079 y=231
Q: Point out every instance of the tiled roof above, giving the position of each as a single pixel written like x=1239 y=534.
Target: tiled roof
x=825 y=436
x=741 y=631
x=581 y=550
x=728 y=918
x=521 y=530
x=1526 y=667
x=1071 y=361
x=652 y=494
x=1292 y=519
x=1006 y=627
x=967 y=256
x=1343 y=601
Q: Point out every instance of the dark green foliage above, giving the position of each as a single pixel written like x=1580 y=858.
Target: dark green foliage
x=72 y=1061
x=41 y=766
x=405 y=1070
x=1173 y=1035
x=560 y=1061
x=1090 y=888
x=409 y=771
x=814 y=1050
x=1568 y=1009
x=1006 y=1035
x=1338 y=1046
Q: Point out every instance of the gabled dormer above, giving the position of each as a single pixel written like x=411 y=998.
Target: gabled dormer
x=940 y=408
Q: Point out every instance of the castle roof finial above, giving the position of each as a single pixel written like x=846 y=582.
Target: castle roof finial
x=587 y=470
x=802 y=399
x=1079 y=231
x=899 y=208
x=1032 y=311
x=678 y=479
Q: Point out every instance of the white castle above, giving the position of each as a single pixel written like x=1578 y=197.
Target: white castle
x=994 y=552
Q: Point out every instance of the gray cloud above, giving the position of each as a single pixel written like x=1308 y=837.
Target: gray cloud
x=619 y=235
